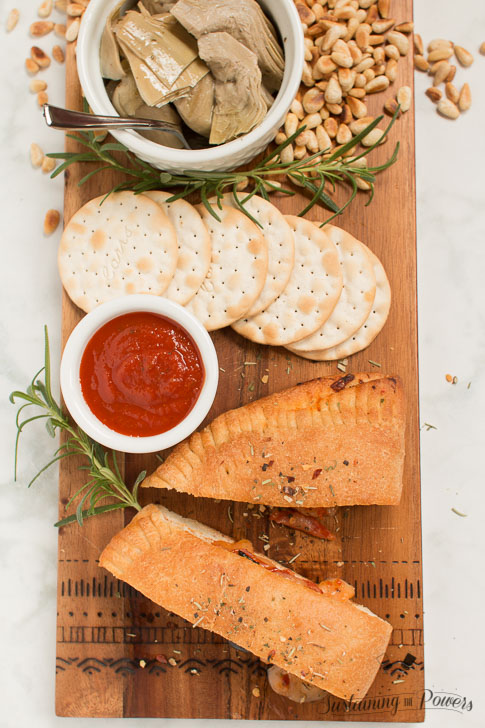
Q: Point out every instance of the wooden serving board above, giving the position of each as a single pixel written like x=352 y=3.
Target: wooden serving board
x=113 y=645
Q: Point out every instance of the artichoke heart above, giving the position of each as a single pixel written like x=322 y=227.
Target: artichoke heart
x=240 y=103
x=162 y=55
x=245 y=21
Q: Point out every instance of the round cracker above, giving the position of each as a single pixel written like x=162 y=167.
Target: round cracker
x=281 y=248
x=311 y=293
x=125 y=245
x=369 y=330
x=194 y=247
x=239 y=262
x=356 y=299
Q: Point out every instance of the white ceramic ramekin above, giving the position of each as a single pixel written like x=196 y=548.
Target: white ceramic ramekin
x=71 y=383
x=226 y=156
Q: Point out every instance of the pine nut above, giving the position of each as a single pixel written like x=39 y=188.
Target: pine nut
x=346 y=78
x=421 y=63
x=418 y=44
x=75 y=10
x=448 y=109
x=404 y=97
x=280 y=138
x=383 y=7
x=360 y=124
x=42 y=98
x=323 y=67
x=356 y=93
x=291 y=124
x=344 y=134
x=38 y=55
x=399 y=40
x=439 y=43
x=323 y=139
x=451 y=74
x=373 y=137
x=73 y=30
x=60 y=30
x=36 y=155
x=31 y=66
x=382 y=26
x=41 y=27
x=481 y=50
x=36 y=85
x=406 y=27
x=452 y=92
x=357 y=107
x=48 y=165
x=311 y=121
x=465 y=98
x=45 y=9
x=434 y=93
x=51 y=221
x=391 y=106
x=335 y=109
x=391 y=70
x=392 y=52
x=287 y=154
x=440 y=54
x=331 y=127
x=441 y=71
x=12 y=20
x=377 y=84
x=463 y=56
x=333 y=92
x=300 y=152
x=313 y=100
x=297 y=109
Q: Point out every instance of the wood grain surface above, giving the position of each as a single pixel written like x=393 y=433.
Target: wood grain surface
x=113 y=645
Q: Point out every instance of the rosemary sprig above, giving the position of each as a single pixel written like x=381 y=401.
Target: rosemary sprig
x=103 y=474
x=313 y=173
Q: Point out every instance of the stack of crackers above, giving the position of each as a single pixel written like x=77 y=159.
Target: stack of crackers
x=285 y=282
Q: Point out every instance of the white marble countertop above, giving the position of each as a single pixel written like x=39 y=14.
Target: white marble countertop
x=451 y=265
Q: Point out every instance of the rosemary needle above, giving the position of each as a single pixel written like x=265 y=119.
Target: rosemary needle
x=315 y=173
x=103 y=474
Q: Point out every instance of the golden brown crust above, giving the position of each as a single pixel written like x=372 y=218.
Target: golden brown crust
x=333 y=644
x=331 y=441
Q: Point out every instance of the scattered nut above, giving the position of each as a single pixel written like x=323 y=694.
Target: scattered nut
x=448 y=109
x=73 y=30
x=256 y=692
x=41 y=58
x=383 y=7
x=465 y=98
x=58 y=54
x=297 y=109
x=60 y=30
x=373 y=137
x=291 y=124
x=463 y=56
x=51 y=221
x=439 y=43
x=440 y=54
x=481 y=50
x=48 y=165
x=344 y=134
x=42 y=98
x=452 y=92
x=421 y=63
x=36 y=155
x=31 y=66
x=41 y=27
x=391 y=106
x=442 y=69
x=36 y=85
x=451 y=74
x=61 y=5
x=406 y=27
x=377 y=84
x=74 y=10
x=434 y=93
x=45 y=9
x=399 y=40
x=404 y=96
x=418 y=44
x=12 y=20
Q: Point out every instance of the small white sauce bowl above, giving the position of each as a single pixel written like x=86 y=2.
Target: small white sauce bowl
x=284 y=15
x=71 y=382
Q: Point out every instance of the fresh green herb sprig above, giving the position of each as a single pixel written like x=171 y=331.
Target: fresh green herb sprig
x=103 y=474
x=313 y=173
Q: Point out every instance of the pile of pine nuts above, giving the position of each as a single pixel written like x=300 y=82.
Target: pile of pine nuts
x=352 y=49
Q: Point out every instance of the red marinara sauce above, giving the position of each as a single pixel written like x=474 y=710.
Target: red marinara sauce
x=141 y=374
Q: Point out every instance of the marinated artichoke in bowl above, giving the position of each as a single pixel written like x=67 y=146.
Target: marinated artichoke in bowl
x=213 y=65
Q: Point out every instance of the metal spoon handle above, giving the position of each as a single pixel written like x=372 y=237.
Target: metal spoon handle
x=67 y=119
